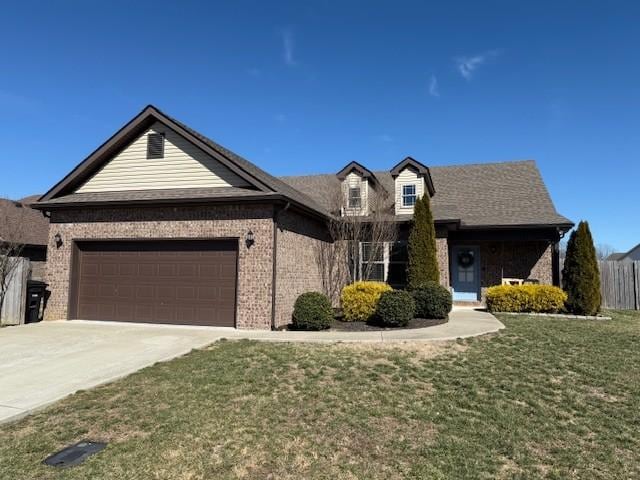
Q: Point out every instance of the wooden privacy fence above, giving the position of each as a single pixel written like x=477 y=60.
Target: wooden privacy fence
x=620 y=285
x=15 y=299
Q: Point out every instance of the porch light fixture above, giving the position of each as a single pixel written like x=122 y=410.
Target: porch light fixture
x=57 y=238
x=249 y=239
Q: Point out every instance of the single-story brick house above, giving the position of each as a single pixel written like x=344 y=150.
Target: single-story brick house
x=632 y=255
x=21 y=225
x=161 y=224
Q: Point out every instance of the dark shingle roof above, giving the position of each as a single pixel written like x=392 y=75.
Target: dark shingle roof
x=494 y=194
x=21 y=224
x=491 y=194
x=622 y=255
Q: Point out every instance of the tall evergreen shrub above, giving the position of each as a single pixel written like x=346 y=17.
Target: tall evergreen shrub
x=423 y=258
x=581 y=275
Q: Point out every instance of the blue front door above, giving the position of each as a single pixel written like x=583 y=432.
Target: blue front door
x=465 y=273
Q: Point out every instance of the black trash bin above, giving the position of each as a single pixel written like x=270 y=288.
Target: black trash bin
x=36 y=292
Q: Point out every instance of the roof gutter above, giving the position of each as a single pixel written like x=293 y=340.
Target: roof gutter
x=559 y=226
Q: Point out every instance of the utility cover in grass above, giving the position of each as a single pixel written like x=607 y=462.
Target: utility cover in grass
x=74 y=454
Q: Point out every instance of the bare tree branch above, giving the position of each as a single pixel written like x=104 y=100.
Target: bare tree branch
x=372 y=223
x=603 y=250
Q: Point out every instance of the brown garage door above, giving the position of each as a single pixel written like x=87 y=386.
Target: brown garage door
x=184 y=282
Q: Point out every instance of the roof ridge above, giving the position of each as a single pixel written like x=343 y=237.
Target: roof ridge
x=458 y=165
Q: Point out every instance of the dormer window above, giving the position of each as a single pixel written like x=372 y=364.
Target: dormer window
x=409 y=195
x=355 y=199
x=155 y=145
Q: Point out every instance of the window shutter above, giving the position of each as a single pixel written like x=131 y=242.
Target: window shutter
x=155 y=145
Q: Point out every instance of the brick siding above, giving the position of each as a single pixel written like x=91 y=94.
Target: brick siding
x=298 y=270
x=255 y=272
x=442 y=252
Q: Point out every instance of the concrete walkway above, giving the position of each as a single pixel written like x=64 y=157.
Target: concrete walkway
x=44 y=362
x=463 y=322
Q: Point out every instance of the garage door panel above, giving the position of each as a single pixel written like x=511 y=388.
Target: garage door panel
x=167 y=270
x=143 y=313
x=127 y=269
x=146 y=292
x=89 y=268
x=126 y=310
x=227 y=292
x=184 y=314
x=89 y=291
x=227 y=271
x=207 y=293
x=187 y=269
x=187 y=282
x=213 y=270
x=107 y=291
x=147 y=269
x=106 y=310
x=186 y=292
x=166 y=294
x=88 y=311
x=126 y=293
x=165 y=314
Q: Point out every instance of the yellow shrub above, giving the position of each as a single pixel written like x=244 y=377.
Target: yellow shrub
x=526 y=298
x=359 y=300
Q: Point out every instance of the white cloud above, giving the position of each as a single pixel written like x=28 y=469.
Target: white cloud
x=280 y=117
x=385 y=138
x=433 y=87
x=288 y=46
x=468 y=65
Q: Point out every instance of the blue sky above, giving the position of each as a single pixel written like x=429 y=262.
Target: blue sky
x=304 y=87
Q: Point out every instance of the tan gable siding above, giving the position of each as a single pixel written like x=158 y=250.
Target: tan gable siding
x=407 y=176
x=183 y=166
x=354 y=180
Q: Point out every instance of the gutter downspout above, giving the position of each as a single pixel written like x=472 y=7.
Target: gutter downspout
x=274 y=256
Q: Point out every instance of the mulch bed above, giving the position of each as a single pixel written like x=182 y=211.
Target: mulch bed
x=368 y=327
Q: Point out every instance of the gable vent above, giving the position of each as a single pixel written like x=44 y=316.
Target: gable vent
x=155 y=145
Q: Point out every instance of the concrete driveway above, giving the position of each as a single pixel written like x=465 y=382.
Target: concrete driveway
x=44 y=362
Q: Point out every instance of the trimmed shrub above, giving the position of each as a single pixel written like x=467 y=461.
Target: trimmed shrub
x=581 y=275
x=432 y=300
x=423 y=258
x=395 y=308
x=526 y=298
x=312 y=311
x=359 y=300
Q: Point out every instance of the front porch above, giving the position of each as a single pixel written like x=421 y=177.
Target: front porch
x=470 y=261
x=482 y=259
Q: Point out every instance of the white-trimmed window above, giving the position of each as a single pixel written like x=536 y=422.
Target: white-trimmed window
x=383 y=263
x=354 y=199
x=409 y=195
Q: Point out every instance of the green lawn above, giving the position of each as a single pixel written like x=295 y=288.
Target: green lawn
x=545 y=398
